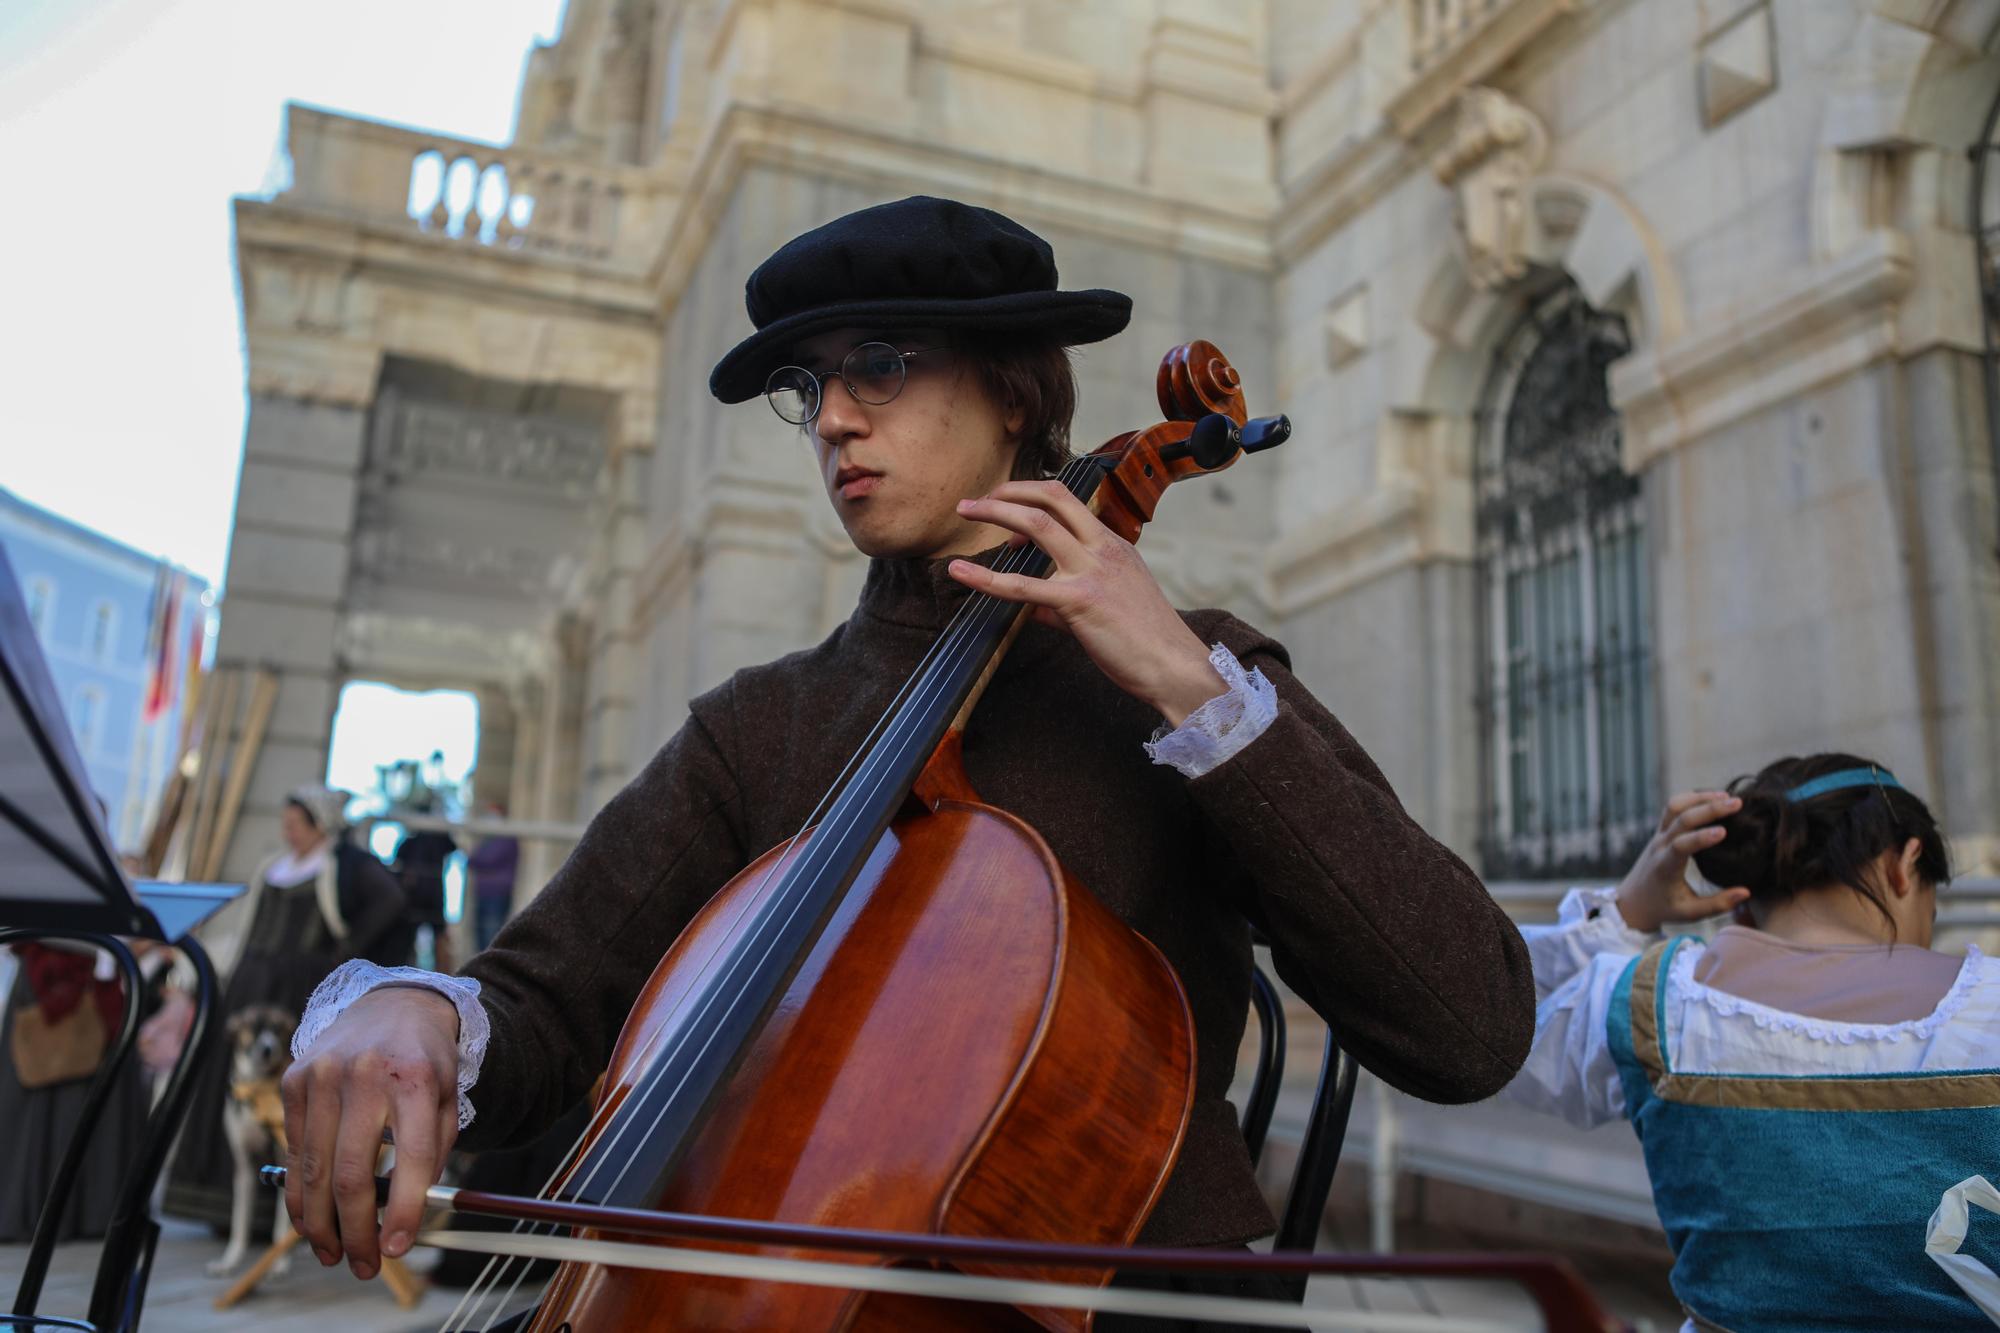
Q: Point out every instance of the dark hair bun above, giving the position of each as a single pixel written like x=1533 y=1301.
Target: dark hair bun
x=1748 y=852
x=1777 y=847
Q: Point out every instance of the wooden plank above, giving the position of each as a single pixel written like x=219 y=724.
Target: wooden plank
x=175 y=801
x=263 y=699
x=214 y=737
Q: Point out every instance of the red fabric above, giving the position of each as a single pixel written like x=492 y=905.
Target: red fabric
x=59 y=980
x=163 y=645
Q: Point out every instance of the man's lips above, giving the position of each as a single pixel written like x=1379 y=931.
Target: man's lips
x=854 y=482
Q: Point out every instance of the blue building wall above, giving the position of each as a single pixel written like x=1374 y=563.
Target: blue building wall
x=92 y=599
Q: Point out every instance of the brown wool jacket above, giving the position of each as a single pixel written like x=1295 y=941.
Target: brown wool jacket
x=1380 y=928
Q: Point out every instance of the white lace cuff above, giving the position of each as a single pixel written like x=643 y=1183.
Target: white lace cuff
x=1212 y=734
x=1599 y=908
x=357 y=976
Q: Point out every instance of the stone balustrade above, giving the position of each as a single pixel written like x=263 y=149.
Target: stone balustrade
x=1454 y=44
x=474 y=194
x=1438 y=25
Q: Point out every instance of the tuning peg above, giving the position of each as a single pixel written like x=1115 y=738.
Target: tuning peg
x=1216 y=439
x=1264 y=433
x=1213 y=443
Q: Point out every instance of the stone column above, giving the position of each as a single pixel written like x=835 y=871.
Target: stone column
x=538 y=859
x=1950 y=536
x=611 y=707
x=562 y=723
x=499 y=729
x=288 y=569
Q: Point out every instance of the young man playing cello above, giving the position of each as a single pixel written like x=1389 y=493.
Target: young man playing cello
x=921 y=347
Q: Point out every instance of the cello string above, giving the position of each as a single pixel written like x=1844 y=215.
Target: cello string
x=786 y=902
x=1009 y=561
x=990 y=608
x=985 y=611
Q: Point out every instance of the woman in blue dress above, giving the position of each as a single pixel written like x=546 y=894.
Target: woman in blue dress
x=1808 y=1083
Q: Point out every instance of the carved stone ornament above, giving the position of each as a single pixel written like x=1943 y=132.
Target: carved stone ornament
x=1495 y=149
x=557 y=460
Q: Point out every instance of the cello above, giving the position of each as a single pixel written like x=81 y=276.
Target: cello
x=766 y=1069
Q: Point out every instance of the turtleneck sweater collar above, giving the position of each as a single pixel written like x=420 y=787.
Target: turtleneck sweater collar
x=919 y=593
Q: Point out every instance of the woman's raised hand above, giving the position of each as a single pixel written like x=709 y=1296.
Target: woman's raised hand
x=389 y=1062
x=1655 y=890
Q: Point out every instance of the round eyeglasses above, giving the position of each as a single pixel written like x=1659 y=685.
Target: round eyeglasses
x=873 y=372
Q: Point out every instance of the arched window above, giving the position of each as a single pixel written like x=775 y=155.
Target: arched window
x=1566 y=703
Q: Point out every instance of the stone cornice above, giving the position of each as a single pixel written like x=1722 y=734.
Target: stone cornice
x=1030 y=67
x=310 y=367
x=1832 y=320
x=417 y=259
x=1338 y=188
x=800 y=138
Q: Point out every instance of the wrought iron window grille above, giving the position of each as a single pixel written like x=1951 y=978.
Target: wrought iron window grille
x=1566 y=704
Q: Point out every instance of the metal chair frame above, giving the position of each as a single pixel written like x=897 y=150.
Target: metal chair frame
x=125 y=1262
x=1326 y=1123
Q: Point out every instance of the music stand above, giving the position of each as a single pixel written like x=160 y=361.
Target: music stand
x=60 y=879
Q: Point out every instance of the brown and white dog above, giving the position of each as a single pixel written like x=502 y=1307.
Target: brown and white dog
x=253 y=1120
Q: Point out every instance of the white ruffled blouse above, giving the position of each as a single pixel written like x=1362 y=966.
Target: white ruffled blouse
x=1578 y=961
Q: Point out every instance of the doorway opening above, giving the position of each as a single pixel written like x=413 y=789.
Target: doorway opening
x=407 y=756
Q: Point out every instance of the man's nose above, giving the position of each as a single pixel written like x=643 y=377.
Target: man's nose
x=839 y=414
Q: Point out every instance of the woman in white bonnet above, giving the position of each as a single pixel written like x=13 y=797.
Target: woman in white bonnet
x=316 y=902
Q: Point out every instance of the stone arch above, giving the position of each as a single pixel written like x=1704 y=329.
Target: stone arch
x=1577 y=226
x=1920 y=85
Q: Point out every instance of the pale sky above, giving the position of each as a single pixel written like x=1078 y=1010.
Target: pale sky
x=125 y=127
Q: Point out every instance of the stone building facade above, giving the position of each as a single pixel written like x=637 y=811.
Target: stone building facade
x=1634 y=350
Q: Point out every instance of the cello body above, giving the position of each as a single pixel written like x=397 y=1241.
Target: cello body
x=975 y=1046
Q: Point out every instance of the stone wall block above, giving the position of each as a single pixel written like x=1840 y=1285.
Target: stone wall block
x=287 y=430
x=287 y=564
x=304 y=709
x=817 y=52
x=279 y=495
x=258 y=630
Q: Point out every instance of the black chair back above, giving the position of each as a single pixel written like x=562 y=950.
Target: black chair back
x=1326 y=1122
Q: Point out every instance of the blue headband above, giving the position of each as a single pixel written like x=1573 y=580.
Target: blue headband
x=1846 y=777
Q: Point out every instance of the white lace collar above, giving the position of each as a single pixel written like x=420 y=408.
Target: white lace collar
x=289 y=868
x=1682 y=984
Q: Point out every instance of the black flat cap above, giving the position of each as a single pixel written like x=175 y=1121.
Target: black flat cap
x=919 y=263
